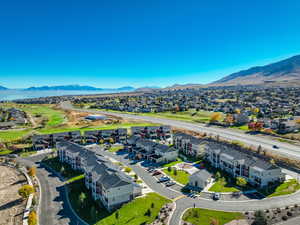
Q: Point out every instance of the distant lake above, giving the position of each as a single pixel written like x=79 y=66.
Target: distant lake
x=8 y=95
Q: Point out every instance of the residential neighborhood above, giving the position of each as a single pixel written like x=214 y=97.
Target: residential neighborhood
x=12 y=118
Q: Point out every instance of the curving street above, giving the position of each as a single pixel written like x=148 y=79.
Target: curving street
x=54 y=208
x=285 y=149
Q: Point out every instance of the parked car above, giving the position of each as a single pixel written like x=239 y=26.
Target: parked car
x=163 y=179
x=275 y=146
x=192 y=195
x=170 y=183
x=156 y=172
x=151 y=170
x=216 y=196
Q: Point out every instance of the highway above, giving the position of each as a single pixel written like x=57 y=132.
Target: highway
x=285 y=149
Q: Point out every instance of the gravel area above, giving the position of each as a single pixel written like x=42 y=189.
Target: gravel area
x=11 y=205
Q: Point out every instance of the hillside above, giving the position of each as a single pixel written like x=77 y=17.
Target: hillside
x=3 y=88
x=76 y=88
x=283 y=72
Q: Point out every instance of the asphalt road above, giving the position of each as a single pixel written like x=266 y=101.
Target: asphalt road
x=285 y=149
x=54 y=208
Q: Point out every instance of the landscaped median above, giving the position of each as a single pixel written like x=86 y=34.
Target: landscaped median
x=198 y=216
x=286 y=188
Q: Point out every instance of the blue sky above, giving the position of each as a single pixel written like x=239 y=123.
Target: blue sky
x=139 y=42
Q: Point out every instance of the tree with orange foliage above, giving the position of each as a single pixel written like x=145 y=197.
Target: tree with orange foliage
x=216 y=116
x=32 y=171
x=255 y=126
x=32 y=218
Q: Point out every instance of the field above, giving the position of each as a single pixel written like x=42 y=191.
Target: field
x=205 y=217
x=189 y=116
x=46 y=119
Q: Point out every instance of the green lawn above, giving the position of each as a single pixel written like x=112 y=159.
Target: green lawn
x=204 y=216
x=133 y=213
x=13 y=135
x=90 y=211
x=182 y=177
x=104 y=127
x=190 y=115
x=285 y=188
x=223 y=186
x=64 y=169
x=5 y=151
x=243 y=127
x=170 y=164
x=28 y=153
x=116 y=148
x=55 y=117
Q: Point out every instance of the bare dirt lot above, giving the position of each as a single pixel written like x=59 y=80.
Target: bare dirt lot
x=11 y=205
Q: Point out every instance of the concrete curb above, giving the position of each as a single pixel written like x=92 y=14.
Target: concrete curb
x=40 y=198
x=170 y=216
x=29 y=200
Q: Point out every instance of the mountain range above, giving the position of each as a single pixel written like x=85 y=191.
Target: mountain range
x=285 y=72
x=77 y=88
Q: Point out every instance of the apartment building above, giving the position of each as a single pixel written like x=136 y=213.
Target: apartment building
x=189 y=144
x=256 y=171
x=106 y=181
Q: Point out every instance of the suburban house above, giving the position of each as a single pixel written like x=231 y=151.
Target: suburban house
x=150 y=150
x=107 y=182
x=152 y=132
x=189 y=144
x=48 y=140
x=95 y=136
x=200 y=179
x=239 y=164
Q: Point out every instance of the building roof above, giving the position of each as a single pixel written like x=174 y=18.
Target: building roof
x=202 y=175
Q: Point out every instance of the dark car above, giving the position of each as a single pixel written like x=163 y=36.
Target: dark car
x=156 y=172
x=275 y=146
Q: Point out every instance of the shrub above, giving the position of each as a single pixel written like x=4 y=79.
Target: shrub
x=32 y=218
x=259 y=218
x=25 y=191
x=32 y=171
x=128 y=169
x=240 y=181
x=284 y=218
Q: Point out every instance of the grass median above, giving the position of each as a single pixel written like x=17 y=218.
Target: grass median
x=198 y=216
